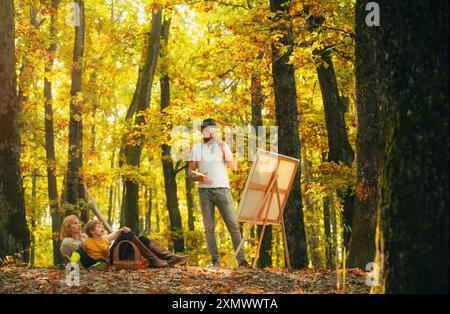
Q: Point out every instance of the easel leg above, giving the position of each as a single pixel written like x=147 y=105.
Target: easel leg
x=230 y=262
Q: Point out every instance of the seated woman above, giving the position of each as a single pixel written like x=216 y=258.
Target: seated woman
x=73 y=239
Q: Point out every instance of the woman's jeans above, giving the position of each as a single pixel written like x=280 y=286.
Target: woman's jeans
x=125 y=250
x=222 y=198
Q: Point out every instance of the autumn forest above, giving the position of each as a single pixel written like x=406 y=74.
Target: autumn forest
x=93 y=95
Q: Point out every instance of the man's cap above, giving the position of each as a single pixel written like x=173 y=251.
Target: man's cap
x=206 y=123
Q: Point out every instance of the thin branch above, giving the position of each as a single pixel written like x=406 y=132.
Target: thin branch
x=178 y=168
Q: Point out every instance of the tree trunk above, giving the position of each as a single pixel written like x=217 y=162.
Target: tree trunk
x=189 y=198
x=74 y=188
x=117 y=201
x=111 y=192
x=340 y=149
x=334 y=227
x=265 y=251
x=158 y=221
x=411 y=57
x=55 y=213
x=134 y=144
x=170 y=182
x=148 y=215
x=33 y=215
x=329 y=227
x=330 y=247
x=141 y=224
x=288 y=135
x=314 y=242
x=14 y=232
x=362 y=244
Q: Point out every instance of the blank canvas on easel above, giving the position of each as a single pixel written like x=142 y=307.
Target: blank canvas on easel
x=265 y=166
x=265 y=194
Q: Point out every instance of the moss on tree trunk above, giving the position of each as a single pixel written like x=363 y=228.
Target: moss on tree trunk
x=412 y=91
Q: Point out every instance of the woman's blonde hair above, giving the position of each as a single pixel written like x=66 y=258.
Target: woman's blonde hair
x=65 y=226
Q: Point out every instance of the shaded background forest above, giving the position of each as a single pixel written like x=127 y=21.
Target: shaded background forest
x=98 y=100
x=212 y=56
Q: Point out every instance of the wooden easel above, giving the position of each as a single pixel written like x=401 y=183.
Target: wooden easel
x=271 y=190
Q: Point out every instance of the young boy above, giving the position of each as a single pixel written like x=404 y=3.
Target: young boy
x=96 y=246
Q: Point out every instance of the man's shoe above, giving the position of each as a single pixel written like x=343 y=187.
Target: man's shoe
x=177 y=259
x=215 y=264
x=244 y=264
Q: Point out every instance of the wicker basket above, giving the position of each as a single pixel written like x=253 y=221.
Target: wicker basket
x=138 y=263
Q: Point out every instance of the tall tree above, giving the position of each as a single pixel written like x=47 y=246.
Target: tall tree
x=314 y=243
x=362 y=243
x=189 y=198
x=111 y=193
x=288 y=131
x=32 y=219
x=134 y=142
x=74 y=191
x=411 y=47
x=330 y=231
x=14 y=232
x=148 y=213
x=50 y=139
x=170 y=182
x=257 y=100
x=340 y=150
x=329 y=222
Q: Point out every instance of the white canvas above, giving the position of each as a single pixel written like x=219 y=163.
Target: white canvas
x=264 y=167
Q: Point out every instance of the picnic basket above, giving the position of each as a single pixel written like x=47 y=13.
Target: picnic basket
x=135 y=264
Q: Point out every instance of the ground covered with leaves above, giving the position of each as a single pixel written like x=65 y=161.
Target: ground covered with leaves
x=195 y=280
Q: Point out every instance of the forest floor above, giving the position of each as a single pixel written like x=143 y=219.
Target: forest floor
x=186 y=279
